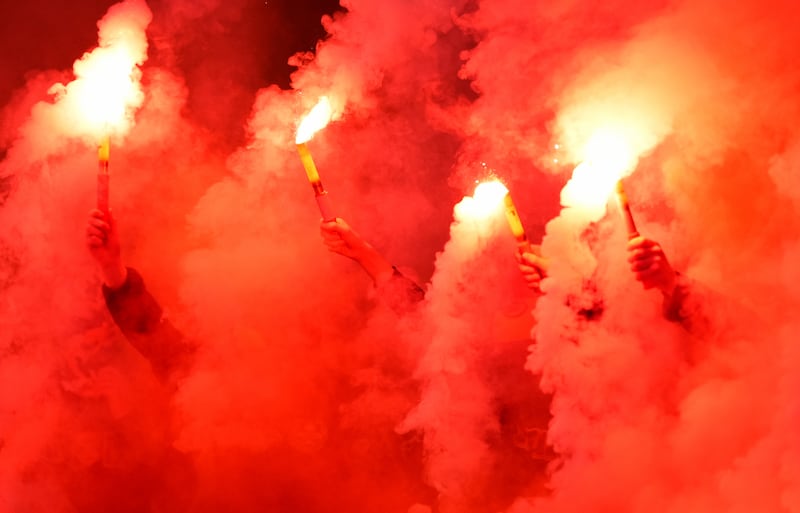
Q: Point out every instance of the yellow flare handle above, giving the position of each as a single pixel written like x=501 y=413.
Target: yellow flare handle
x=103 y=149
x=625 y=208
x=102 y=174
x=308 y=163
x=513 y=217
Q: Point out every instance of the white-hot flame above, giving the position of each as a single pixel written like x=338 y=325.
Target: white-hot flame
x=608 y=157
x=317 y=119
x=107 y=88
x=486 y=200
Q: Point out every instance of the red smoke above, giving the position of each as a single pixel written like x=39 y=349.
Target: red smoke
x=308 y=393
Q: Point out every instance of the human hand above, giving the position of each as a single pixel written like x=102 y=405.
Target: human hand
x=650 y=265
x=102 y=240
x=340 y=238
x=533 y=268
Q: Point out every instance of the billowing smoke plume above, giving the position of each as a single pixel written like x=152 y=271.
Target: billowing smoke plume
x=63 y=368
x=307 y=393
x=467 y=362
x=649 y=415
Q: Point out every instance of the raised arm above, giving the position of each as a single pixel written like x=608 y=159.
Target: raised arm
x=135 y=311
x=650 y=266
x=399 y=291
x=102 y=239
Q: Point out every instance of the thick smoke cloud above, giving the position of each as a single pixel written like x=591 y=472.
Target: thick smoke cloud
x=468 y=366
x=647 y=417
x=308 y=392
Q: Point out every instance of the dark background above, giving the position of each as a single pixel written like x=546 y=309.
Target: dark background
x=240 y=45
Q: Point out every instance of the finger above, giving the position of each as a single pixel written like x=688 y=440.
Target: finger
x=641 y=253
x=525 y=258
x=96 y=232
x=647 y=277
x=532 y=280
x=94 y=241
x=333 y=229
x=640 y=243
x=533 y=283
x=531 y=274
x=655 y=269
x=635 y=254
x=540 y=263
x=533 y=260
x=97 y=219
x=331 y=237
x=338 y=247
x=99 y=224
x=636 y=243
x=643 y=265
x=656 y=263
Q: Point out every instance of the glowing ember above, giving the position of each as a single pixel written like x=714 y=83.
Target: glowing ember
x=607 y=158
x=316 y=120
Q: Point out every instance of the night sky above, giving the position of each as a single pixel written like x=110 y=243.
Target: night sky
x=34 y=36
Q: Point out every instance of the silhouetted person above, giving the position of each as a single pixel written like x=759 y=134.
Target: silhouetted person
x=158 y=477
x=132 y=307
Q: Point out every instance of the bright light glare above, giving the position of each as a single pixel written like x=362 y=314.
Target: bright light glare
x=607 y=158
x=317 y=119
x=486 y=200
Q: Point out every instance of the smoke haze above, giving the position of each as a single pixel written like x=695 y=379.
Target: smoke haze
x=308 y=392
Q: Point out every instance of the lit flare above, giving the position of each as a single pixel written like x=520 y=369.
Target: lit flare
x=107 y=90
x=488 y=196
x=317 y=119
x=625 y=208
x=607 y=159
x=101 y=100
x=486 y=199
